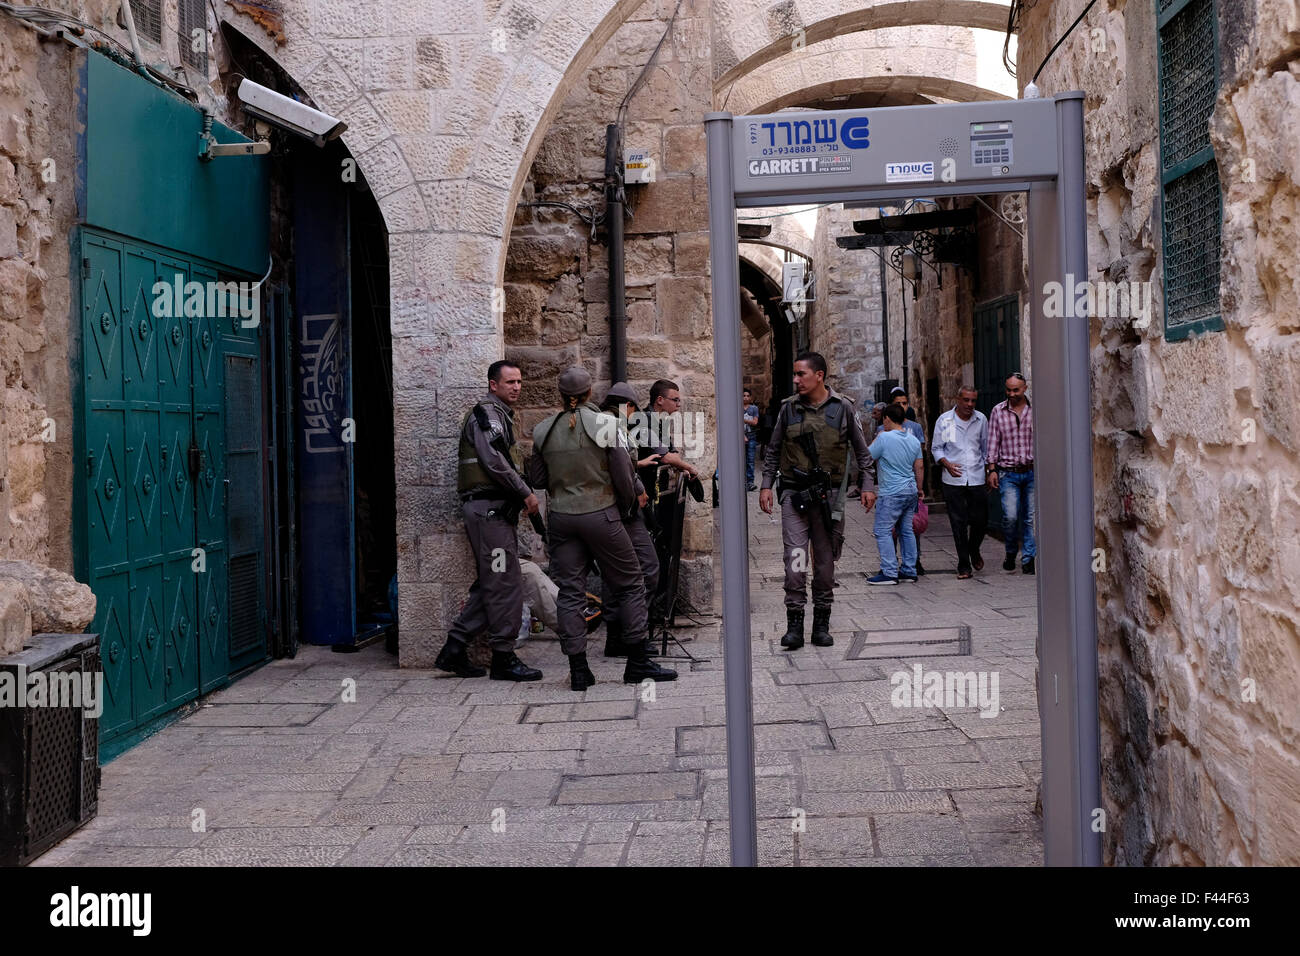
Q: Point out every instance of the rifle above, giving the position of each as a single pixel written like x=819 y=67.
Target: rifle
x=514 y=503
x=816 y=483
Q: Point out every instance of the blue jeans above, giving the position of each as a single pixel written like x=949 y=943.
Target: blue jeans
x=894 y=514
x=751 y=449
x=1017 y=492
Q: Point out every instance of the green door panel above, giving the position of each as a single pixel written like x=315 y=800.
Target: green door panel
x=214 y=646
x=155 y=414
x=112 y=616
x=181 y=657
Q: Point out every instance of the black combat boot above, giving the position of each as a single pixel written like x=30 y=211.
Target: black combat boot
x=614 y=646
x=507 y=666
x=640 y=667
x=453 y=658
x=821 y=631
x=580 y=675
x=793 y=639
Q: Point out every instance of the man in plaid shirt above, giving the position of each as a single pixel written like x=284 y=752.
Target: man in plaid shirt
x=1011 y=470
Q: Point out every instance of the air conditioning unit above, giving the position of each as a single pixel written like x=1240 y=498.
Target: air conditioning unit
x=49 y=755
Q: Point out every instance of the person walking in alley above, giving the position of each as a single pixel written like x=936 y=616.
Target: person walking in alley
x=815 y=434
x=751 y=439
x=1011 y=470
x=579 y=458
x=960 y=446
x=898 y=396
x=898 y=459
x=492 y=493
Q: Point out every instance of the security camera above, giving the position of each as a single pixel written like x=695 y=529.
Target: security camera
x=287 y=113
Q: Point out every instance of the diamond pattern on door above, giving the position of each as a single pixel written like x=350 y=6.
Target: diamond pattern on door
x=153 y=482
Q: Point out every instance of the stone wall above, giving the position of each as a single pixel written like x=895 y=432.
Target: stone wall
x=846 y=323
x=557 y=278
x=1197 y=485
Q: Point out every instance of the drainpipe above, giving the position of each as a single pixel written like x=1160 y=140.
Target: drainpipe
x=614 y=199
x=884 y=314
x=903 y=284
x=135 y=41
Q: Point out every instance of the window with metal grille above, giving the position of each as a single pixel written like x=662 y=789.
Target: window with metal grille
x=148 y=17
x=1192 y=207
x=192 y=34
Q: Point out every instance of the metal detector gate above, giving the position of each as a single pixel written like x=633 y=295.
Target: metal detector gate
x=1033 y=146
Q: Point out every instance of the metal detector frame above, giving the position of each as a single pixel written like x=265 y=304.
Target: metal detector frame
x=880 y=145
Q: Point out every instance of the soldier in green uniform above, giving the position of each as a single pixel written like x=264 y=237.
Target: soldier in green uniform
x=579 y=458
x=492 y=494
x=620 y=401
x=814 y=435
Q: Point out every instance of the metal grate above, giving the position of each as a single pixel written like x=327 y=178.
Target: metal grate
x=54 y=790
x=895 y=643
x=1188 y=82
x=192 y=34
x=148 y=18
x=1192 y=220
x=245 y=634
x=243 y=404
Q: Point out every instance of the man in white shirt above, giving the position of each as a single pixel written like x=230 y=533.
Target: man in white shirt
x=960 y=446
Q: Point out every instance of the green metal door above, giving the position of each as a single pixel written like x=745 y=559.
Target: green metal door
x=155 y=486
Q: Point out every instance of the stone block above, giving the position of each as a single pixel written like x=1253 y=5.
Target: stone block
x=1276 y=775
x=59 y=603
x=1271 y=659
x=683 y=306
x=671 y=206
x=15 y=616
x=1277 y=359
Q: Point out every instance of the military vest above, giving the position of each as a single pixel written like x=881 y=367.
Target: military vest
x=577 y=459
x=829 y=431
x=471 y=476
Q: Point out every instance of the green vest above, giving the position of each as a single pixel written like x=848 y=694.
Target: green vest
x=471 y=476
x=829 y=429
x=577 y=459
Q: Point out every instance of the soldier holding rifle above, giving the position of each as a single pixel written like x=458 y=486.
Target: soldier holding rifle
x=814 y=435
x=493 y=493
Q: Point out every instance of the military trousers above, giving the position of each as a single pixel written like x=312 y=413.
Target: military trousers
x=600 y=536
x=798 y=531
x=646 y=556
x=496 y=598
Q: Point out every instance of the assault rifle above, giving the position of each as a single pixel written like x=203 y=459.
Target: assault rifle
x=815 y=483
x=514 y=504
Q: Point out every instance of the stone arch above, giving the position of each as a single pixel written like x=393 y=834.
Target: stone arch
x=745 y=38
x=444 y=105
x=951 y=63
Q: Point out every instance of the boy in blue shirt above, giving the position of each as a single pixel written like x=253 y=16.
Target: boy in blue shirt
x=899 y=465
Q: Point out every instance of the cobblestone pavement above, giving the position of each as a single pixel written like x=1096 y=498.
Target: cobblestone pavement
x=426 y=768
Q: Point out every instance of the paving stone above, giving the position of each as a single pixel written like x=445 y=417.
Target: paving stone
x=628 y=788
x=907 y=835
x=665 y=851
x=839 y=803
x=831 y=837
x=768 y=738
x=581 y=710
x=774 y=796
x=377 y=847
x=600 y=854
x=962 y=776
x=508 y=831
x=512 y=854
x=284 y=836
x=526 y=760
x=259 y=856
x=866 y=739
x=525 y=787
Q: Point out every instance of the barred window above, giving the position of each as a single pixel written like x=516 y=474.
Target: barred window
x=1192 y=203
x=192 y=34
x=148 y=17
